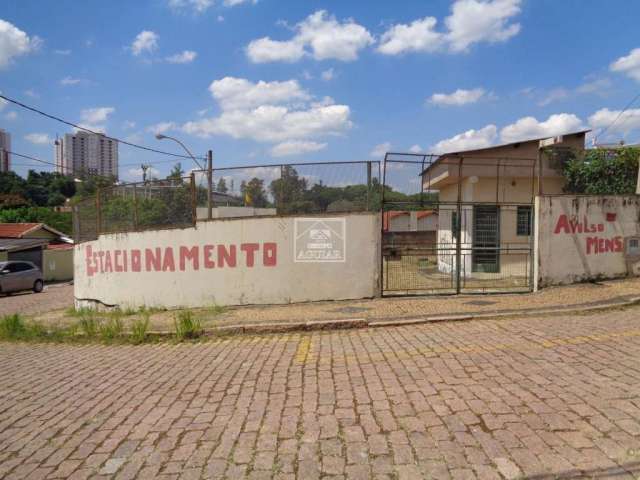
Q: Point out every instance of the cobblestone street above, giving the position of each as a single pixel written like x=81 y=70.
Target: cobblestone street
x=536 y=398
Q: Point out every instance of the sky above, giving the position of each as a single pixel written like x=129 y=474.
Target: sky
x=270 y=81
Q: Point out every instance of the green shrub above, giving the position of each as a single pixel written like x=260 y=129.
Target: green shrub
x=12 y=327
x=139 y=329
x=187 y=326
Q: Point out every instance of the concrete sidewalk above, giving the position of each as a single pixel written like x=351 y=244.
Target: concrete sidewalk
x=568 y=298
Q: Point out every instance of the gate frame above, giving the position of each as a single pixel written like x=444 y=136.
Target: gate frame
x=536 y=174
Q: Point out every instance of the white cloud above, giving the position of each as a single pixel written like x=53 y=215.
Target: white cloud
x=553 y=96
x=15 y=43
x=220 y=18
x=265 y=50
x=592 y=85
x=3 y=103
x=271 y=112
x=270 y=123
x=629 y=65
x=197 y=6
x=128 y=125
x=161 y=127
x=528 y=127
x=296 y=147
x=418 y=36
x=66 y=81
x=10 y=115
x=96 y=115
x=471 y=139
x=233 y=3
x=320 y=36
x=31 y=93
x=187 y=56
x=238 y=93
x=145 y=41
x=457 y=98
x=62 y=52
x=151 y=172
x=328 y=75
x=380 y=150
x=474 y=21
x=416 y=149
x=38 y=138
x=624 y=123
x=470 y=22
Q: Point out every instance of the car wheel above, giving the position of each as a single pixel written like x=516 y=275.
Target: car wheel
x=38 y=286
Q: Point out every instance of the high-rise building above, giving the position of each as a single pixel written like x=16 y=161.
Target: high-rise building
x=84 y=153
x=5 y=149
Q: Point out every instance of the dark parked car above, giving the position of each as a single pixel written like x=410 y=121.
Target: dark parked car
x=16 y=276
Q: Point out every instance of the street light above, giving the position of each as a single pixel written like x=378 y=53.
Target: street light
x=160 y=136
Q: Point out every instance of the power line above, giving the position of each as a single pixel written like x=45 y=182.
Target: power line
x=28 y=157
x=602 y=132
x=71 y=124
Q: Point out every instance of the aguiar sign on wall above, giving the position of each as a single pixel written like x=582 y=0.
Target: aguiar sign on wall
x=231 y=262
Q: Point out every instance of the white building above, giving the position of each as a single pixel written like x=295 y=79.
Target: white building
x=86 y=153
x=5 y=148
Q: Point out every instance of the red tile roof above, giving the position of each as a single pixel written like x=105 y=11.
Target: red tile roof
x=16 y=230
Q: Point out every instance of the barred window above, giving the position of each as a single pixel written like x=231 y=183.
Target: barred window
x=524 y=221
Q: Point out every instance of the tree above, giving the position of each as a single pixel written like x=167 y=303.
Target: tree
x=222 y=186
x=254 y=193
x=58 y=220
x=176 y=174
x=603 y=172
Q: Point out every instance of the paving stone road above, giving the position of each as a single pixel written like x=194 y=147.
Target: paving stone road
x=535 y=398
x=53 y=297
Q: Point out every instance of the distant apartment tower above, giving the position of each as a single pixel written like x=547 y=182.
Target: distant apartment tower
x=5 y=149
x=84 y=153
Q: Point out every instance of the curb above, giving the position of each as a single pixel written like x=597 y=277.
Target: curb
x=351 y=323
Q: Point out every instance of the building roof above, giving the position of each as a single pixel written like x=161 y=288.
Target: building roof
x=19 y=230
x=18 y=244
x=501 y=145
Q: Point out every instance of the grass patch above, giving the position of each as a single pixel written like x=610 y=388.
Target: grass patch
x=12 y=327
x=187 y=325
x=139 y=329
x=111 y=329
x=88 y=325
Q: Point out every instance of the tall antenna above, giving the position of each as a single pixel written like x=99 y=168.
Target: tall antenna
x=144 y=168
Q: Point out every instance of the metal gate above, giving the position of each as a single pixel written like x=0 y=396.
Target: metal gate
x=454 y=224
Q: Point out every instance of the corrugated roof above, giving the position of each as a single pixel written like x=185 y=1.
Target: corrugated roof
x=17 y=244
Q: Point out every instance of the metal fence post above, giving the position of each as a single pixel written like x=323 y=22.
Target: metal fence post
x=459 y=227
x=194 y=203
x=135 y=208
x=209 y=185
x=98 y=213
x=368 y=186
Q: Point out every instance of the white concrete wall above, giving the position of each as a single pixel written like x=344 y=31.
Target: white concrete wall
x=234 y=212
x=585 y=238
x=125 y=269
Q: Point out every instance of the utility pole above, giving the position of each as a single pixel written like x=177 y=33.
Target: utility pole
x=144 y=168
x=209 y=184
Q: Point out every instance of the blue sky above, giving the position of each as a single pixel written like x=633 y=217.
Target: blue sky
x=300 y=81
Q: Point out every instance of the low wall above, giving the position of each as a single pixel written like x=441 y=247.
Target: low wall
x=233 y=262
x=583 y=238
x=57 y=265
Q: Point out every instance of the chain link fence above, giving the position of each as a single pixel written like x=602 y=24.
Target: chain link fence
x=154 y=204
x=260 y=190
